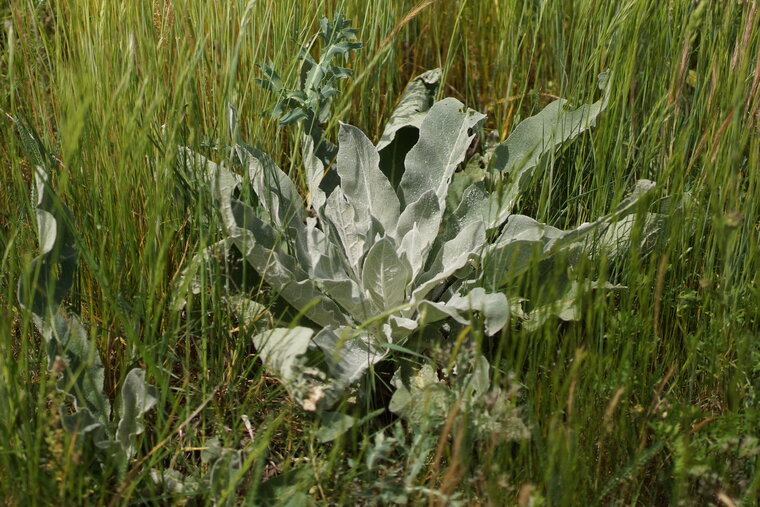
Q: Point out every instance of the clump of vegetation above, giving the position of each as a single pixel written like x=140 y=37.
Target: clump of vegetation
x=385 y=259
x=72 y=357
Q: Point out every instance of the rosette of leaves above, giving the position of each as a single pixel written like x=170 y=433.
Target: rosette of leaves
x=380 y=253
x=71 y=355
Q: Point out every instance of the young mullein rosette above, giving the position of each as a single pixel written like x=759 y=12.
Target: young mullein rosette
x=378 y=255
x=72 y=357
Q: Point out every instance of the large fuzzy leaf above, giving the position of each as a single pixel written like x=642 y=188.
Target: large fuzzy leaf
x=282 y=351
x=64 y=334
x=327 y=260
x=562 y=302
x=259 y=244
x=70 y=352
x=361 y=180
x=519 y=155
x=86 y=427
x=617 y=239
x=273 y=187
x=402 y=130
x=349 y=354
x=221 y=181
x=414 y=103
x=385 y=274
x=414 y=248
x=524 y=242
x=627 y=206
x=350 y=296
x=494 y=308
x=418 y=228
x=519 y=246
x=452 y=256
x=351 y=225
x=475 y=206
x=445 y=135
x=137 y=398
x=84 y=373
x=55 y=266
x=425 y=213
x=316 y=167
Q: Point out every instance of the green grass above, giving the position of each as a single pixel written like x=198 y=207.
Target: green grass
x=653 y=397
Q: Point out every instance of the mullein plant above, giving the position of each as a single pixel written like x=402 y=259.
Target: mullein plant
x=72 y=357
x=394 y=242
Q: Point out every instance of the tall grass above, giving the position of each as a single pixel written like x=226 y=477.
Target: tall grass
x=653 y=397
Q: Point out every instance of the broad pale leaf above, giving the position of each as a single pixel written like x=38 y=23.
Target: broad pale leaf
x=563 y=303
x=494 y=308
x=629 y=205
x=445 y=135
x=412 y=247
x=221 y=181
x=273 y=187
x=414 y=103
x=425 y=213
x=524 y=242
x=55 y=266
x=282 y=349
x=137 y=398
x=327 y=260
x=402 y=130
x=351 y=225
x=519 y=246
x=361 y=180
x=452 y=256
x=385 y=274
x=418 y=228
x=349 y=295
x=66 y=339
x=84 y=373
x=518 y=156
x=85 y=426
x=315 y=172
x=258 y=243
x=349 y=354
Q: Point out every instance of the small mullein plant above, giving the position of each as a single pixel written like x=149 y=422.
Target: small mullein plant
x=72 y=358
x=400 y=245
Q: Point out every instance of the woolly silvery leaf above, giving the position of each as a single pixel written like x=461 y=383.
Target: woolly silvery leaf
x=361 y=180
x=445 y=135
x=282 y=349
x=402 y=130
x=536 y=136
x=414 y=103
x=137 y=398
x=385 y=274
